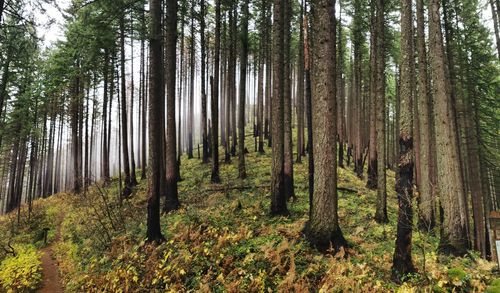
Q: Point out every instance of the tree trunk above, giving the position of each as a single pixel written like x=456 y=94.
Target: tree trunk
x=124 y=133
x=242 y=173
x=191 y=89
x=450 y=186
x=372 y=148
x=105 y=146
x=155 y=105
x=287 y=109
x=300 y=88
x=133 y=178
x=323 y=230
x=203 y=89
x=309 y=115
x=426 y=200
x=278 y=196
x=402 y=264
x=381 y=211
x=215 y=177
x=172 y=200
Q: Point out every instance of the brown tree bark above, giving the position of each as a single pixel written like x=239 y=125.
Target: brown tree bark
x=192 y=65
x=372 y=147
x=204 y=137
x=381 y=211
x=129 y=184
x=287 y=105
x=426 y=197
x=450 y=186
x=172 y=168
x=105 y=154
x=156 y=111
x=323 y=230
x=278 y=196
x=242 y=173
x=300 y=89
x=402 y=261
x=215 y=177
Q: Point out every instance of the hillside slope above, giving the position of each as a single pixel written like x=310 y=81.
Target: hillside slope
x=223 y=239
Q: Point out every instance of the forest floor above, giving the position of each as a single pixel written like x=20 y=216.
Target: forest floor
x=223 y=240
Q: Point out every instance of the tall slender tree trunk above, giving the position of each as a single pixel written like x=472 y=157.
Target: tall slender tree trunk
x=172 y=200
x=381 y=211
x=215 y=177
x=309 y=115
x=155 y=105
x=203 y=89
x=74 y=135
x=287 y=101
x=278 y=196
x=357 y=98
x=402 y=261
x=191 y=84
x=426 y=200
x=300 y=88
x=133 y=176
x=143 y=98
x=124 y=133
x=341 y=133
x=105 y=154
x=372 y=147
x=242 y=173
x=232 y=96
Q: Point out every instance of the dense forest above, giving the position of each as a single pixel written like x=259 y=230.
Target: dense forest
x=249 y=146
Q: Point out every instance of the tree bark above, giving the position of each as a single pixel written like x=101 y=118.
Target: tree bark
x=155 y=105
x=300 y=88
x=124 y=133
x=426 y=199
x=242 y=173
x=172 y=168
x=287 y=106
x=402 y=264
x=450 y=186
x=278 y=196
x=323 y=230
x=203 y=88
x=381 y=211
x=215 y=177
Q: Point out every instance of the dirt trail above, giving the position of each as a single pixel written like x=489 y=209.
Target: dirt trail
x=51 y=282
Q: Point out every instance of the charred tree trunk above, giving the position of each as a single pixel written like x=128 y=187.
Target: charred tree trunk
x=402 y=261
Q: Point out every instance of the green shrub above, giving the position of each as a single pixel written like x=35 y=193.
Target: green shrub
x=23 y=272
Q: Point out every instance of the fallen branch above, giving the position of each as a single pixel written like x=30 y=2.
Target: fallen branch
x=227 y=188
x=347 y=189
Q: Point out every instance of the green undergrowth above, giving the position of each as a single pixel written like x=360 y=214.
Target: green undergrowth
x=22 y=235
x=223 y=240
